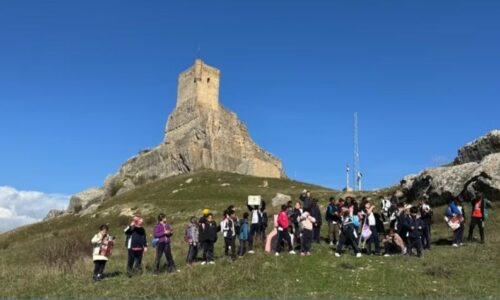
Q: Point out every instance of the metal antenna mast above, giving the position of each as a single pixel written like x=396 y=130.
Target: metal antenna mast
x=356 y=171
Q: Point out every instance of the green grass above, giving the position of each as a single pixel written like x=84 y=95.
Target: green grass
x=444 y=272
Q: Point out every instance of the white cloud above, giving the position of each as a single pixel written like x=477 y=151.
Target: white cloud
x=18 y=208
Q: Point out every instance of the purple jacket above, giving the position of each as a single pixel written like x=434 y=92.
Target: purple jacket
x=159 y=232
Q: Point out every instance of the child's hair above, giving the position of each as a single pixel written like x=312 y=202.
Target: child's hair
x=192 y=219
x=283 y=207
x=413 y=210
x=210 y=215
x=161 y=217
x=245 y=215
x=104 y=226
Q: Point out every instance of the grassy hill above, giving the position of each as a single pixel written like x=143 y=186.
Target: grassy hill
x=52 y=259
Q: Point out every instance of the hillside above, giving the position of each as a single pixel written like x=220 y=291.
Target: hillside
x=37 y=260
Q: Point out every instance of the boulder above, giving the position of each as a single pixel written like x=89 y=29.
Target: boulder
x=84 y=199
x=444 y=183
x=280 y=199
x=91 y=209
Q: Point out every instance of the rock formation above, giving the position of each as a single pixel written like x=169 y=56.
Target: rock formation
x=200 y=134
x=476 y=168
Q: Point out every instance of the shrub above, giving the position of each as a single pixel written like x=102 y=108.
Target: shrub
x=64 y=253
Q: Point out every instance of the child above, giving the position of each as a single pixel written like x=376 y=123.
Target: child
x=415 y=231
x=191 y=236
x=393 y=243
x=307 y=224
x=102 y=243
x=229 y=233
x=163 y=232
x=243 y=236
x=137 y=245
x=347 y=234
x=283 y=233
x=208 y=236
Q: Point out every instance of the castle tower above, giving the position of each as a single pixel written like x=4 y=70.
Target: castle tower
x=199 y=85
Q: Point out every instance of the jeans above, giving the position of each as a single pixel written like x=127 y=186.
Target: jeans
x=164 y=248
x=426 y=237
x=99 y=266
x=134 y=263
x=458 y=234
x=479 y=222
x=243 y=247
x=306 y=241
x=192 y=253
x=208 y=251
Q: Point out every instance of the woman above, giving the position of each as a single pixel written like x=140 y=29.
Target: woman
x=163 y=233
x=137 y=245
x=102 y=243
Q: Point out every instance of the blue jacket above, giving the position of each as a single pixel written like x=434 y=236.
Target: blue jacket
x=453 y=209
x=418 y=227
x=243 y=230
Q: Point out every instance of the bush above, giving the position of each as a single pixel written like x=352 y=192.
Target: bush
x=64 y=253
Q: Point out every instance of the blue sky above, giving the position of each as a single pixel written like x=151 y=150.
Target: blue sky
x=84 y=85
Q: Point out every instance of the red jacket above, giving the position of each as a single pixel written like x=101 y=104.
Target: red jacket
x=283 y=219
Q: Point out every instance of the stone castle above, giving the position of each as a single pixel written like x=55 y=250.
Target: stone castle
x=200 y=134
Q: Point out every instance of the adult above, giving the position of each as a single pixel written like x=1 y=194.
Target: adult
x=372 y=223
x=455 y=219
x=163 y=233
x=316 y=214
x=137 y=245
x=255 y=223
x=306 y=199
x=102 y=244
x=332 y=218
x=477 y=216
x=426 y=216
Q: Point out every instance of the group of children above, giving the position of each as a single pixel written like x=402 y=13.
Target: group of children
x=351 y=223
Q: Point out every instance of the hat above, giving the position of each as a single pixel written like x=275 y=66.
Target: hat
x=138 y=221
x=206 y=211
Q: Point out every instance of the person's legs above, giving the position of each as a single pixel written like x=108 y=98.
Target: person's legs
x=309 y=240
x=138 y=261
x=473 y=223
x=210 y=253
x=233 y=247
x=160 y=249
x=253 y=229
x=480 y=224
x=190 y=255
x=375 y=238
x=281 y=236
x=170 y=259
x=130 y=262
x=288 y=240
x=96 y=270
x=316 y=234
x=353 y=242
x=303 y=241
x=335 y=233
x=205 y=251
x=411 y=244
x=418 y=245
x=330 y=231
x=227 y=244
x=340 y=244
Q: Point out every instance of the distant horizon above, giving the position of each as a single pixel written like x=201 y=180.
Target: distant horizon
x=84 y=86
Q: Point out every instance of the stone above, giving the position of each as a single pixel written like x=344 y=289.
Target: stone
x=91 y=209
x=189 y=180
x=445 y=183
x=225 y=184
x=476 y=150
x=280 y=199
x=54 y=213
x=265 y=184
x=84 y=199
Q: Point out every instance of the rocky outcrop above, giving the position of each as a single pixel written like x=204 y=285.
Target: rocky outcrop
x=54 y=213
x=83 y=200
x=200 y=134
x=478 y=149
x=444 y=183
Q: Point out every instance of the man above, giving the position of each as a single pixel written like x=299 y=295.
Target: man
x=332 y=218
x=255 y=223
x=477 y=216
x=316 y=214
x=426 y=216
x=306 y=199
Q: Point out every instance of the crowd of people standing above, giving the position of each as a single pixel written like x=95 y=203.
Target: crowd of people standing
x=395 y=228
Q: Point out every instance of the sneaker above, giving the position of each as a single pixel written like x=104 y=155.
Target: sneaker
x=212 y=262
x=331 y=243
x=302 y=254
x=308 y=253
x=276 y=254
x=461 y=244
x=251 y=252
x=387 y=255
x=292 y=252
x=454 y=245
x=358 y=254
x=337 y=254
x=203 y=263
